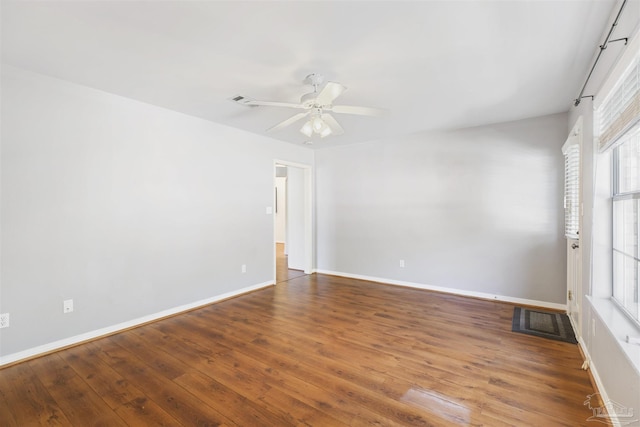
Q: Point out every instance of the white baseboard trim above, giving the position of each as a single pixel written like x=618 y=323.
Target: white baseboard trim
x=613 y=419
x=603 y=392
x=109 y=330
x=453 y=291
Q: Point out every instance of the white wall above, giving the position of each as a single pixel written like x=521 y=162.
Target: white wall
x=477 y=209
x=127 y=208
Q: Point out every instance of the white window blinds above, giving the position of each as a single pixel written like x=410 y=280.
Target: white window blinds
x=620 y=110
x=571 y=153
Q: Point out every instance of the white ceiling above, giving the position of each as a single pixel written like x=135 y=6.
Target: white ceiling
x=431 y=64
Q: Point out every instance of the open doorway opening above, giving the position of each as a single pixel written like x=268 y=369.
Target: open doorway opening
x=292 y=221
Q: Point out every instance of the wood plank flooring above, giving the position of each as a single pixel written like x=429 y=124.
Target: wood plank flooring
x=316 y=351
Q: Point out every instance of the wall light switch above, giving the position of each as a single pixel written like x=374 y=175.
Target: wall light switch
x=401 y=263
x=244 y=268
x=269 y=210
x=67 y=306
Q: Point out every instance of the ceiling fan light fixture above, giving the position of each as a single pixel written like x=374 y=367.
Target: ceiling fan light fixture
x=318 y=124
x=325 y=132
x=307 y=129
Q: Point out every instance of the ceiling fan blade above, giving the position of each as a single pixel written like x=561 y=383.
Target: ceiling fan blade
x=274 y=104
x=335 y=127
x=287 y=122
x=330 y=92
x=361 y=111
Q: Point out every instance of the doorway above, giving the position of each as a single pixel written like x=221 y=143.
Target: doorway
x=283 y=272
x=292 y=221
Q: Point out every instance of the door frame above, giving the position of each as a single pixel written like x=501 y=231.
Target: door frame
x=308 y=214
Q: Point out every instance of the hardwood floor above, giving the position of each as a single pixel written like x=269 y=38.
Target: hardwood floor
x=315 y=350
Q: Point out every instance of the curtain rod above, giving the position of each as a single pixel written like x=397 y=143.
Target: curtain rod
x=603 y=46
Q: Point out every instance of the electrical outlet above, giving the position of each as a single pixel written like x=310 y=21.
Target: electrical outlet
x=401 y=263
x=244 y=268
x=4 y=320
x=67 y=306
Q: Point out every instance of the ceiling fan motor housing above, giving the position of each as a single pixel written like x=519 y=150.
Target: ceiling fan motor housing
x=308 y=99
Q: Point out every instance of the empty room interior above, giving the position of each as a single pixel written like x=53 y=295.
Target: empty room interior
x=321 y=213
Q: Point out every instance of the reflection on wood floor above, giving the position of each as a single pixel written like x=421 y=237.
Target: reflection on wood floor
x=283 y=272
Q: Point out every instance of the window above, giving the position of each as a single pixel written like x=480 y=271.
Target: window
x=626 y=221
x=619 y=130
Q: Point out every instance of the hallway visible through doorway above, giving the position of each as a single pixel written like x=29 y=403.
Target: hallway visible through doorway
x=283 y=272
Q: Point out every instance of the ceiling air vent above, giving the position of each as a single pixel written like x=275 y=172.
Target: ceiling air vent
x=242 y=100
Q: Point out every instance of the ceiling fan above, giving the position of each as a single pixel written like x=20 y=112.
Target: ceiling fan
x=317 y=106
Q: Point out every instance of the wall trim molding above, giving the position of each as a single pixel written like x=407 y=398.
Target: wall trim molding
x=596 y=377
x=41 y=350
x=461 y=292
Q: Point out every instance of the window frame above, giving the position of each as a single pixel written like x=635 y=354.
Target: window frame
x=615 y=120
x=617 y=197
